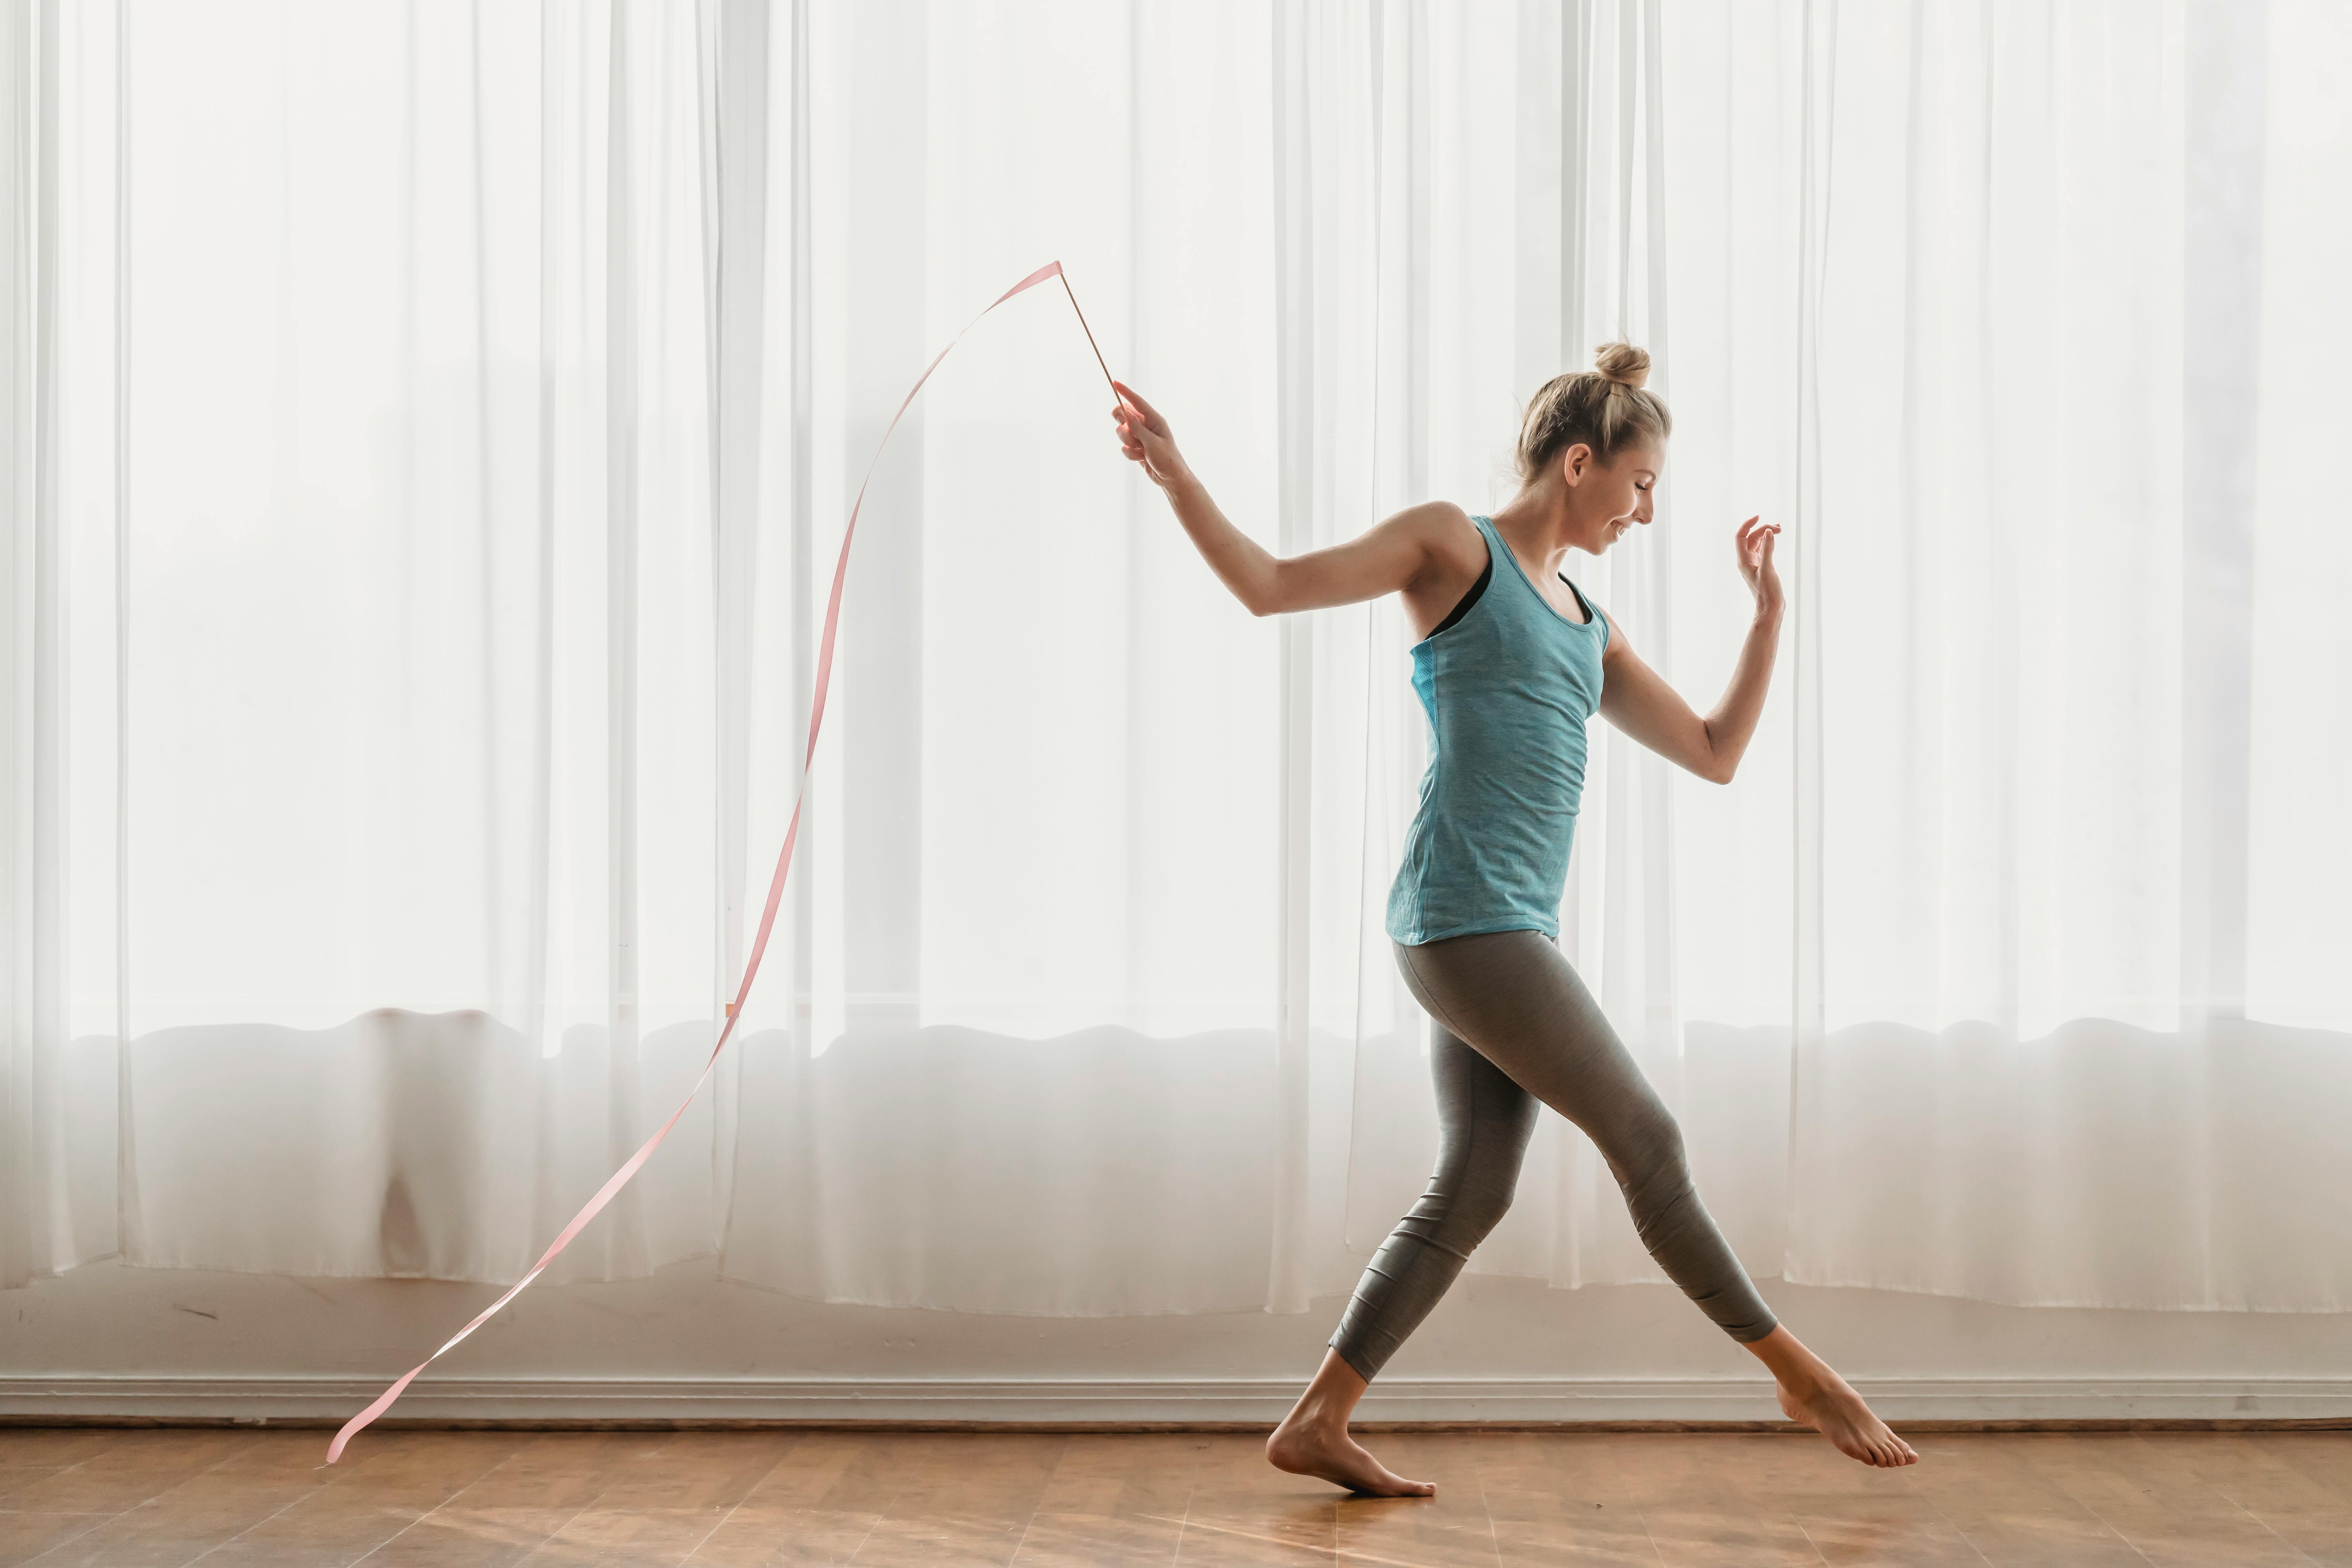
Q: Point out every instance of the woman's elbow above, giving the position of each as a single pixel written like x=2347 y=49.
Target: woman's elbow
x=1270 y=594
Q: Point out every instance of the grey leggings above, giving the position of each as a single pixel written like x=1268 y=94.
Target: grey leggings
x=1512 y=1025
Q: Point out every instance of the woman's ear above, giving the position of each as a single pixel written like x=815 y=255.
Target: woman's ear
x=1574 y=463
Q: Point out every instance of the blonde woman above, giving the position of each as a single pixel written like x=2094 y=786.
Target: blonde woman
x=1512 y=659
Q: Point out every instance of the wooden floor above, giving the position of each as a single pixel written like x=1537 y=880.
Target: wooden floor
x=458 y=1499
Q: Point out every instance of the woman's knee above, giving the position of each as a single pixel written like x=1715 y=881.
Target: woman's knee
x=1479 y=1193
x=1485 y=1150
x=1475 y=1211
x=1653 y=1163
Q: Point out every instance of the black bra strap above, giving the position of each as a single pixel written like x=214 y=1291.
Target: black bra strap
x=1461 y=607
x=1591 y=614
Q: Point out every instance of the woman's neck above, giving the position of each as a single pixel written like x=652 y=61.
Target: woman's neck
x=1536 y=527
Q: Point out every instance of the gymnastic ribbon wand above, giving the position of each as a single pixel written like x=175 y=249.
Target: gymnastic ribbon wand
x=620 y=1178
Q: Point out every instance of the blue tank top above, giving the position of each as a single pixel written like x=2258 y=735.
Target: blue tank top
x=1507 y=683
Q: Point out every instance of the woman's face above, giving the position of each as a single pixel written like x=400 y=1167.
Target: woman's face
x=1606 y=500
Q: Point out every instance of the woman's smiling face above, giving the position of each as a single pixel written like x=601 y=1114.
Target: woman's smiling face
x=1607 y=499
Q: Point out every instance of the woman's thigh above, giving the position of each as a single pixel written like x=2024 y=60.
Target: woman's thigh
x=1515 y=998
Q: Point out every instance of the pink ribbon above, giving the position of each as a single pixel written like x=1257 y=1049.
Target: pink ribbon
x=620 y=1178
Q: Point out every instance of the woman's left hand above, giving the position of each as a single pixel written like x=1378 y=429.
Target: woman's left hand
x=1756 y=565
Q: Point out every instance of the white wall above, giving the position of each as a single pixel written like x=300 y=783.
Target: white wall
x=111 y=1339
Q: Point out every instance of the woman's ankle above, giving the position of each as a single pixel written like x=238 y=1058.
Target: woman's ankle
x=1319 y=1411
x=1793 y=1367
x=1331 y=1397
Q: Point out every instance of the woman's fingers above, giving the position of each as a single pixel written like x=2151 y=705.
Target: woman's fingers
x=1128 y=441
x=1138 y=423
x=1152 y=419
x=1755 y=542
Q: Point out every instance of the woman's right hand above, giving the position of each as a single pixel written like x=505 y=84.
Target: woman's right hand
x=1755 y=545
x=1144 y=435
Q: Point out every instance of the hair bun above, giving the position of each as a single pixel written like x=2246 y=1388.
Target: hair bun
x=1622 y=362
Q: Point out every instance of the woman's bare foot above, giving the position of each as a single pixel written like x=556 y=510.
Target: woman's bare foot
x=1812 y=1395
x=1313 y=1439
x=1837 y=1413
x=1307 y=1448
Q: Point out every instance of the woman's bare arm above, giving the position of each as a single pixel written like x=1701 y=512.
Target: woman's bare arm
x=1392 y=555
x=1387 y=557
x=1637 y=700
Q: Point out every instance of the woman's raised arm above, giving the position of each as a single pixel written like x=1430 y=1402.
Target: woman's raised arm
x=1638 y=701
x=1391 y=555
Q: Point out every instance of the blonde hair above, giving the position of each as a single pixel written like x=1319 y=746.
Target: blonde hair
x=1603 y=407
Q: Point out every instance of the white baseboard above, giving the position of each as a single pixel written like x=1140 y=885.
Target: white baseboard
x=1173 y=1400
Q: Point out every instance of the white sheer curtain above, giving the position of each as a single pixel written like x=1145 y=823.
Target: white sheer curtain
x=429 y=432
x=2071 y=960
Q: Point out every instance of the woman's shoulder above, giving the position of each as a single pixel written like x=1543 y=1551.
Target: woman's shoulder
x=1449 y=534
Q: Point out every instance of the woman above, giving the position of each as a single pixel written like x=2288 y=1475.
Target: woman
x=1509 y=668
